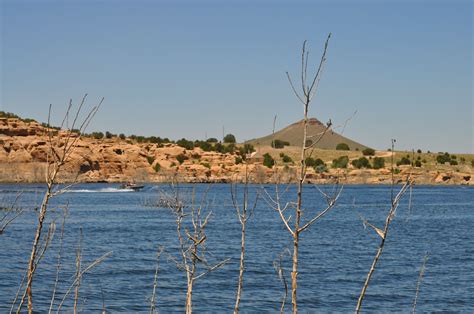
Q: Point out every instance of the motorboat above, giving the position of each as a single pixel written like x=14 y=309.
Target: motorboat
x=131 y=186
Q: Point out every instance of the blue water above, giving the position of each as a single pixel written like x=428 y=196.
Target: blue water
x=335 y=253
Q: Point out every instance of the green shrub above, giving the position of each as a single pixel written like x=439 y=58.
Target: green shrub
x=368 y=152
x=229 y=148
x=157 y=167
x=453 y=162
x=238 y=160
x=122 y=136
x=173 y=164
x=268 y=160
x=378 y=163
x=286 y=158
x=321 y=168
x=185 y=143
x=472 y=162
x=342 y=146
x=279 y=144
x=181 y=158
x=246 y=149
x=418 y=163
x=206 y=164
x=396 y=171
x=212 y=140
x=109 y=135
x=204 y=145
x=340 y=162
x=362 y=162
x=229 y=138
x=443 y=158
x=150 y=159
x=404 y=161
x=97 y=135
x=218 y=147
x=310 y=162
x=419 y=151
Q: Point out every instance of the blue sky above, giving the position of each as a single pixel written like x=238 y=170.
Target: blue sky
x=189 y=68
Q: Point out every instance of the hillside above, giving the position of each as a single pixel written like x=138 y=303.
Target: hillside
x=293 y=134
x=24 y=147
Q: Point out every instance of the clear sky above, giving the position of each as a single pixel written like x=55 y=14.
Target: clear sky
x=187 y=68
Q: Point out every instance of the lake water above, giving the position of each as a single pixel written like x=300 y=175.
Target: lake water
x=335 y=253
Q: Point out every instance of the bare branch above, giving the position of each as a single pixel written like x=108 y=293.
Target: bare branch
x=220 y=264
x=81 y=274
x=293 y=88
x=330 y=206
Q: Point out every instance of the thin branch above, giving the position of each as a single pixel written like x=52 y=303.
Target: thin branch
x=330 y=206
x=218 y=265
x=81 y=274
x=155 y=281
x=294 y=90
x=420 y=279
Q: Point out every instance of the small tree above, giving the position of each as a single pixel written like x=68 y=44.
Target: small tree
x=301 y=218
x=212 y=140
x=150 y=159
x=362 y=162
x=342 y=146
x=404 y=161
x=378 y=162
x=268 y=160
x=340 y=162
x=229 y=138
x=279 y=144
x=286 y=158
x=185 y=143
x=97 y=135
x=181 y=158
x=368 y=152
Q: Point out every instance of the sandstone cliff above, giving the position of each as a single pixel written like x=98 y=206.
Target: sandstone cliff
x=24 y=148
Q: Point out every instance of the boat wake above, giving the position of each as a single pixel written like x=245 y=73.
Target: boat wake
x=103 y=190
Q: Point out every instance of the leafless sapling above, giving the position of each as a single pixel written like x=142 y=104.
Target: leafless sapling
x=244 y=212
x=383 y=233
x=191 y=223
x=60 y=148
x=301 y=223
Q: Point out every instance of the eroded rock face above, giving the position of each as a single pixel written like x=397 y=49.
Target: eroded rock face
x=24 y=149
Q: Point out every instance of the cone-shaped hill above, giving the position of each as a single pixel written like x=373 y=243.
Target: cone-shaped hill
x=293 y=134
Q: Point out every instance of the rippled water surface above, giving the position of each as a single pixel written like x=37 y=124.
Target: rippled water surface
x=335 y=254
